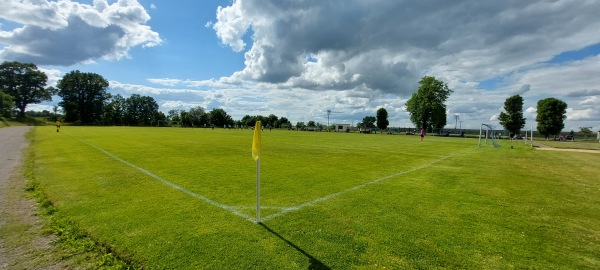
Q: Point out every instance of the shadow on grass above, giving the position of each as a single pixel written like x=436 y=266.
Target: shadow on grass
x=314 y=262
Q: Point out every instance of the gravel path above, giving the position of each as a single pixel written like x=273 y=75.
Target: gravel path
x=12 y=142
x=22 y=243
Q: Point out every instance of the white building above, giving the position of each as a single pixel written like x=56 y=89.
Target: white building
x=342 y=127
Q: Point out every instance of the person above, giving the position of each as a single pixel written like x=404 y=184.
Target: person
x=58 y=125
x=422 y=134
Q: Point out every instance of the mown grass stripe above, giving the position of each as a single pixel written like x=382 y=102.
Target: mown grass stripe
x=333 y=195
x=285 y=210
x=168 y=183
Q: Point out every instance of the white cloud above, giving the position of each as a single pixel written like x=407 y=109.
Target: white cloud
x=66 y=32
x=585 y=114
x=387 y=45
x=54 y=75
x=165 y=81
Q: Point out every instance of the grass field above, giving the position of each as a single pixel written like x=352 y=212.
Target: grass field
x=185 y=199
x=579 y=144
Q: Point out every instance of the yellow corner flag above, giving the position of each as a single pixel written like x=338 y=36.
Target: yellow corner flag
x=256 y=142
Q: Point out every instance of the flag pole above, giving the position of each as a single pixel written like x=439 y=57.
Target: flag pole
x=256 y=145
x=258 y=191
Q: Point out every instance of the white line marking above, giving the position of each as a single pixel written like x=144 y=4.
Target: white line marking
x=166 y=182
x=234 y=209
x=313 y=202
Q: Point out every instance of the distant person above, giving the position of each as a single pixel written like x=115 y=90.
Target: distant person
x=422 y=134
x=57 y=125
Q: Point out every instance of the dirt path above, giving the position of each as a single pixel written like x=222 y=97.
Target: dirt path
x=22 y=243
x=12 y=142
x=540 y=146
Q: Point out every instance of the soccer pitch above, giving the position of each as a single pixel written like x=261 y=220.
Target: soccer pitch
x=185 y=198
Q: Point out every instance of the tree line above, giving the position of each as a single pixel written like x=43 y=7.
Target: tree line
x=85 y=100
x=551 y=113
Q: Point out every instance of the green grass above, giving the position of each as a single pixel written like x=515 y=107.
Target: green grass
x=578 y=144
x=351 y=200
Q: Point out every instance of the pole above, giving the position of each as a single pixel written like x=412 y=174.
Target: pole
x=258 y=191
x=531 y=136
x=480 y=131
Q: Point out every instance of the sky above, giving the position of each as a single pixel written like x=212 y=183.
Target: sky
x=299 y=59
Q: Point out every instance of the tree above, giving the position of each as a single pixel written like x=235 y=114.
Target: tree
x=272 y=120
x=140 y=110
x=382 y=119
x=198 y=116
x=7 y=104
x=219 y=118
x=367 y=122
x=115 y=111
x=25 y=83
x=426 y=106
x=587 y=131
x=283 y=122
x=185 y=119
x=513 y=119
x=84 y=96
x=550 y=116
x=248 y=121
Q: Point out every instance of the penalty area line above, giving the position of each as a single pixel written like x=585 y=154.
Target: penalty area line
x=168 y=183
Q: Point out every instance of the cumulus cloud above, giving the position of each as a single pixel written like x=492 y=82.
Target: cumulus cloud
x=387 y=46
x=65 y=32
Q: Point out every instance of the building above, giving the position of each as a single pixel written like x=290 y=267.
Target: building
x=342 y=127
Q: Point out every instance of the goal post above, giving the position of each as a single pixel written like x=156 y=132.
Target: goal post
x=489 y=129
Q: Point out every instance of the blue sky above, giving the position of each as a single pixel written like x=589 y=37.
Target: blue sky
x=300 y=58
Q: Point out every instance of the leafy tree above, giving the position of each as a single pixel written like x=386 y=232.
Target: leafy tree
x=25 y=83
x=550 y=116
x=84 y=96
x=426 y=106
x=220 y=118
x=140 y=110
x=174 y=115
x=272 y=120
x=382 y=119
x=7 y=104
x=299 y=125
x=283 y=122
x=513 y=119
x=186 y=120
x=587 y=131
x=311 y=123
x=248 y=120
x=367 y=122
x=198 y=116
x=161 y=119
x=115 y=111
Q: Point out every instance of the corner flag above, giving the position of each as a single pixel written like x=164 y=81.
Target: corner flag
x=256 y=157
x=256 y=142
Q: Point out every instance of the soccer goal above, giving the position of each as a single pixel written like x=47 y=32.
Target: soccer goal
x=489 y=133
